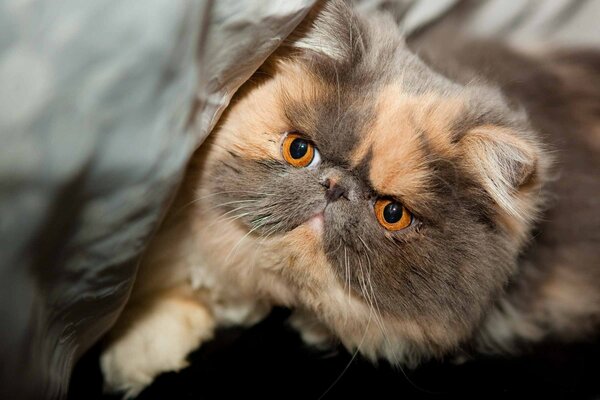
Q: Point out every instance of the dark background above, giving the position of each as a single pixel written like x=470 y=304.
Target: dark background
x=269 y=361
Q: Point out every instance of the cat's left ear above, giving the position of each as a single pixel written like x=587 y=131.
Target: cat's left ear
x=510 y=167
x=333 y=30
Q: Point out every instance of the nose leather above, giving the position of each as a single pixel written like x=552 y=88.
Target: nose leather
x=334 y=192
x=340 y=183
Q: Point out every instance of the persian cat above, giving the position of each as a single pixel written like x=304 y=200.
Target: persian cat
x=405 y=206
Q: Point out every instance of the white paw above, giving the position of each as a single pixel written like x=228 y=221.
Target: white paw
x=156 y=341
x=313 y=332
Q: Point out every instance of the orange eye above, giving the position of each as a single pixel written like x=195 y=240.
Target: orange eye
x=392 y=215
x=297 y=151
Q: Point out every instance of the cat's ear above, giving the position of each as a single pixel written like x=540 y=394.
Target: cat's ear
x=332 y=29
x=508 y=165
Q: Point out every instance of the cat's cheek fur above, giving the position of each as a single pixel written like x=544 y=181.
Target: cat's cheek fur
x=292 y=270
x=315 y=286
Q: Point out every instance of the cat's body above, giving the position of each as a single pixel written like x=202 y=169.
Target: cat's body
x=556 y=292
x=501 y=246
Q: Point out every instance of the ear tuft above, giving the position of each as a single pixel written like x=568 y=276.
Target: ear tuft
x=332 y=30
x=508 y=165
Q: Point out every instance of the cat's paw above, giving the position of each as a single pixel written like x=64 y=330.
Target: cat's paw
x=312 y=332
x=156 y=341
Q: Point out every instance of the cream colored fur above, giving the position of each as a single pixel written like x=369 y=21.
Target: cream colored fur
x=164 y=331
x=215 y=274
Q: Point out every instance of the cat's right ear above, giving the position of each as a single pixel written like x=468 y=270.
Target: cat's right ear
x=510 y=166
x=332 y=30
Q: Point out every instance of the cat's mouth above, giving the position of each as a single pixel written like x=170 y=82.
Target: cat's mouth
x=316 y=221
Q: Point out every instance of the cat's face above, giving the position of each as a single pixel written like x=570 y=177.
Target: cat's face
x=387 y=199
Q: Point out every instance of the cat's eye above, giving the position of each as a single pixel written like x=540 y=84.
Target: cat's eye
x=299 y=152
x=392 y=215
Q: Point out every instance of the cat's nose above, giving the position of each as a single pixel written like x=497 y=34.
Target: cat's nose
x=334 y=190
x=339 y=183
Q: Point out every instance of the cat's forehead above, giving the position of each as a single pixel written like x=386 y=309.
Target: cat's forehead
x=408 y=133
x=333 y=111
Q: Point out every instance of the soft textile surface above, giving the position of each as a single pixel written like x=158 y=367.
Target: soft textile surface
x=101 y=105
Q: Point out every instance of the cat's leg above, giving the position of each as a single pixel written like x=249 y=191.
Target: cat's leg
x=312 y=331
x=154 y=336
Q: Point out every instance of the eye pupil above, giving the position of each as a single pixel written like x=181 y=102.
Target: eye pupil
x=392 y=213
x=298 y=148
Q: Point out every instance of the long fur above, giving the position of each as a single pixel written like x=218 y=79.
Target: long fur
x=467 y=154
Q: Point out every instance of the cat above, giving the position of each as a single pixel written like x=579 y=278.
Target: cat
x=406 y=207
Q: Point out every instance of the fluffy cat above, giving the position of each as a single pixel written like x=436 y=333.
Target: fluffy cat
x=390 y=202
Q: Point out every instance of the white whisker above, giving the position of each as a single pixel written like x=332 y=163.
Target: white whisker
x=362 y=340
x=234 y=248
x=348 y=278
x=378 y=315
